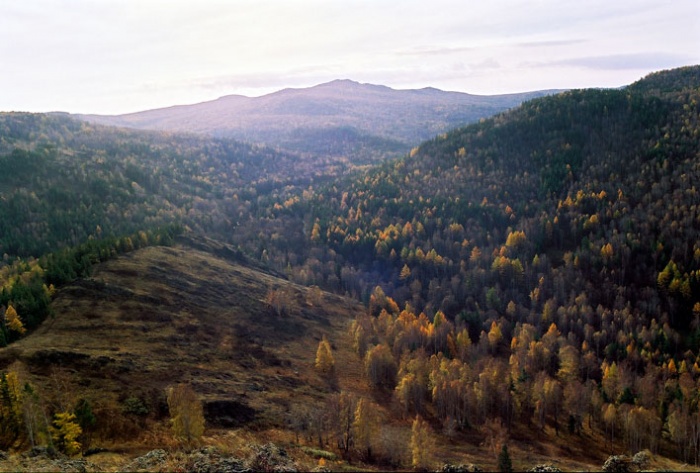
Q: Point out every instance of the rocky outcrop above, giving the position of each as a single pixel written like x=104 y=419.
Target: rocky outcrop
x=270 y=457
x=153 y=459
x=461 y=468
x=544 y=469
x=209 y=460
x=617 y=464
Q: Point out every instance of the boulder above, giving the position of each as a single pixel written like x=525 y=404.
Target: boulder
x=617 y=464
x=544 y=469
x=461 y=468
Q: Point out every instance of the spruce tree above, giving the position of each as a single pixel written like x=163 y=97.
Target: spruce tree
x=504 y=463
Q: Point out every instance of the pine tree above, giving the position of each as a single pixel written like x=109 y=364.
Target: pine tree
x=85 y=417
x=504 y=462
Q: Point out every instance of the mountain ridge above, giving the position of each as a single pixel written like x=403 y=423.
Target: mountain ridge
x=403 y=116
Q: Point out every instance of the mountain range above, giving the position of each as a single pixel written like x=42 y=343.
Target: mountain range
x=341 y=117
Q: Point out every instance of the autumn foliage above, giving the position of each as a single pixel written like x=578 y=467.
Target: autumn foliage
x=186 y=414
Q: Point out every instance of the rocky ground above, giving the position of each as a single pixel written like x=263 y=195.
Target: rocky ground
x=267 y=457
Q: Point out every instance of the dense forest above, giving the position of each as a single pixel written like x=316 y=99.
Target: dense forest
x=63 y=180
x=539 y=268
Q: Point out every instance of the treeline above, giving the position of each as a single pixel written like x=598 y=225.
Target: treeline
x=27 y=285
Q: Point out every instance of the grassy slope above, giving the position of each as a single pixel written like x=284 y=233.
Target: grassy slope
x=159 y=316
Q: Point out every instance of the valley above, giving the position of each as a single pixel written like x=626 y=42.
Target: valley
x=528 y=283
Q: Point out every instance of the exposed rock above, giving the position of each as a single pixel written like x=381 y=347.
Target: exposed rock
x=642 y=459
x=544 y=469
x=617 y=463
x=321 y=469
x=3 y=455
x=79 y=465
x=40 y=460
x=208 y=460
x=461 y=468
x=270 y=457
x=152 y=459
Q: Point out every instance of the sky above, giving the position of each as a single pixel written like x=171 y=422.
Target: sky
x=120 y=56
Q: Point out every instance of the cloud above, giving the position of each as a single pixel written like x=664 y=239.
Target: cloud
x=550 y=43
x=617 y=62
x=435 y=51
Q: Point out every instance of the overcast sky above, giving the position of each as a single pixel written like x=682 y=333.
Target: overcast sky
x=118 y=56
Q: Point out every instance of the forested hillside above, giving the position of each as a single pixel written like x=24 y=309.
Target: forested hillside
x=538 y=271
x=537 y=267
x=62 y=180
x=75 y=194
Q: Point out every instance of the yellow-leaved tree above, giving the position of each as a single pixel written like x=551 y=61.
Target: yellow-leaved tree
x=13 y=322
x=65 y=432
x=11 y=403
x=365 y=427
x=186 y=413
x=422 y=444
x=324 y=357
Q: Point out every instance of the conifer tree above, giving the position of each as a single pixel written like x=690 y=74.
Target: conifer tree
x=13 y=322
x=325 y=362
x=504 y=462
x=365 y=427
x=65 y=432
x=11 y=401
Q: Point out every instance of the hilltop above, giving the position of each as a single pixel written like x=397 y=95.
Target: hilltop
x=338 y=118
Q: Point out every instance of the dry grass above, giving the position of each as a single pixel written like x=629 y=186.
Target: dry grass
x=161 y=316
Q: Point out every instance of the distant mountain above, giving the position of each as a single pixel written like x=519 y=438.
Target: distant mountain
x=341 y=117
x=533 y=277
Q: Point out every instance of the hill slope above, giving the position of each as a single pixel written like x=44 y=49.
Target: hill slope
x=161 y=316
x=61 y=179
x=550 y=253
x=337 y=118
x=573 y=172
